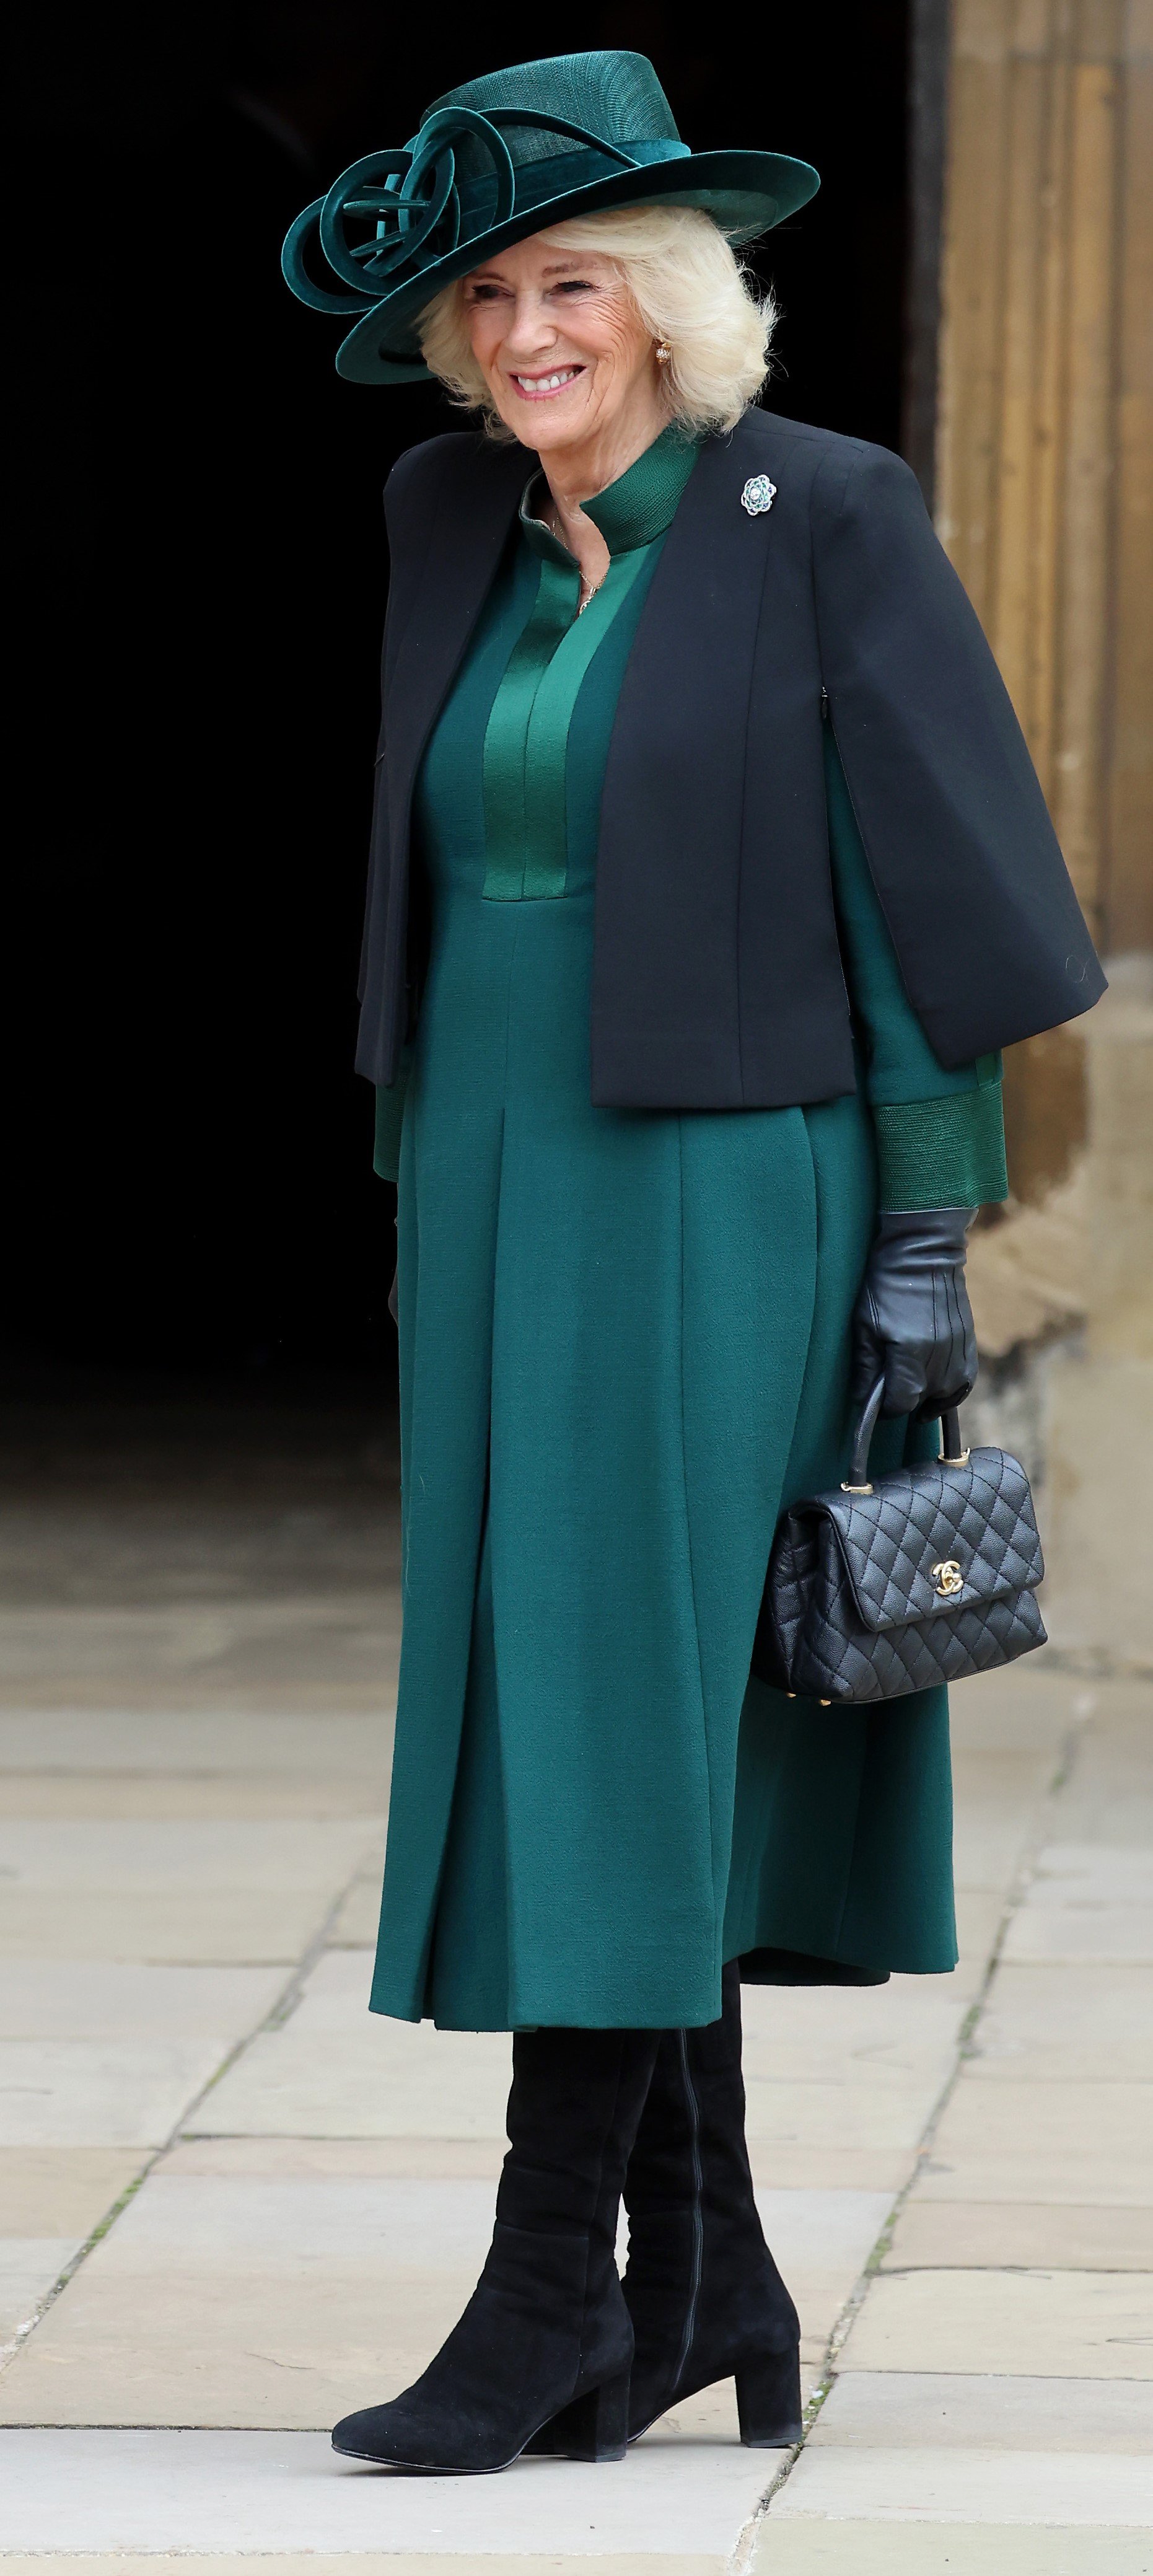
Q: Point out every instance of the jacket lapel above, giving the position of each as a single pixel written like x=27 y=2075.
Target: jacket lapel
x=475 y=509
x=668 y=864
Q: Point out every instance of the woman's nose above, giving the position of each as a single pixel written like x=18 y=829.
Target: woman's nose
x=530 y=327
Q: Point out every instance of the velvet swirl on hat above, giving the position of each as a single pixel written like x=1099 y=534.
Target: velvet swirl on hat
x=494 y=161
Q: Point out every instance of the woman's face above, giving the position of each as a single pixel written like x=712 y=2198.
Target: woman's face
x=560 y=343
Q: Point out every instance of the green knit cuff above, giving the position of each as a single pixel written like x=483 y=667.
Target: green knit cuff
x=389 y=1121
x=943 y=1153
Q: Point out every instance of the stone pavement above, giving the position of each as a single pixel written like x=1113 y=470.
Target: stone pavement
x=232 y=2205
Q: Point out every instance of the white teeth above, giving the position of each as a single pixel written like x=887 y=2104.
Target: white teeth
x=548 y=384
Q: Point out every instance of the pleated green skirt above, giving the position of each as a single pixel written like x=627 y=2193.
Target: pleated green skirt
x=624 y=1341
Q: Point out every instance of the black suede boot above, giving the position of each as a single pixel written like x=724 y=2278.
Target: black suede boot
x=544 y=2347
x=705 y=2296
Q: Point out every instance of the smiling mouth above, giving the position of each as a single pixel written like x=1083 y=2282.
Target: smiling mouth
x=540 y=388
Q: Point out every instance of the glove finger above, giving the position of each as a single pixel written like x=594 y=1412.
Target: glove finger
x=957 y=1370
x=945 y=1401
x=946 y=1379
x=969 y=1359
x=950 y=1375
x=868 y=1363
x=904 y=1378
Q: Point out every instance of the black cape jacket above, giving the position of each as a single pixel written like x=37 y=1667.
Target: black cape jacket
x=717 y=980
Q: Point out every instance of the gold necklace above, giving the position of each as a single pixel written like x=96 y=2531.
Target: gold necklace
x=588 y=589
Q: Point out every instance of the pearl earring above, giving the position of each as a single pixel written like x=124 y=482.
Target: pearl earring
x=664 y=353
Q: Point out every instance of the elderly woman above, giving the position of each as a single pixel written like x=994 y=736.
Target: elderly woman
x=709 y=873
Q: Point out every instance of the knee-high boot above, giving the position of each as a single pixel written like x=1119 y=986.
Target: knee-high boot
x=705 y=2296
x=544 y=2347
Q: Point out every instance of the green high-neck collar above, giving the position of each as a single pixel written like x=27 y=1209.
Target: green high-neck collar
x=639 y=506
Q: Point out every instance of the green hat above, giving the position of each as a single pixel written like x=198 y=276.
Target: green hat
x=501 y=158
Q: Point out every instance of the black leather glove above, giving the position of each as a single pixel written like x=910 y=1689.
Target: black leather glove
x=913 y=1324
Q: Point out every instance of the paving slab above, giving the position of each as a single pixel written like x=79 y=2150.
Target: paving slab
x=1039 y=2324
x=997 y=1799
x=247 y=1890
x=280 y=2350
x=369 y=2562
x=77 y=2092
x=331 y=1742
x=271 y=2492
x=420 y=2159
x=879 y=2177
x=355 y=1927
x=891 y=2410
x=317 y=2228
x=304 y=1654
x=62 y=2191
x=972 y=2485
x=253 y=2300
x=818 y=2231
x=848 y=2547
x=336 y=2070
x=1028 y=1709
x=268 y=2226
x=1043 y=2142
x=800 y=2163
x=710 y=2420
x=194 y=1927
x=1089 y=2023
x=980 y=1914
x=97 y=1999
x=1010 y=2235
x=904 y=2032
x=157 y=1854
x=1067 y=1933
x=882 y=2117
x=29 y=2266
x=1109 y=1797
x=1091 y=1874
x=297 y=2364
x=154 y=1530
x=213 y=1794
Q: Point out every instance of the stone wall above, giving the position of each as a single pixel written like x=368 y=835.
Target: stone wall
x=1045 y=502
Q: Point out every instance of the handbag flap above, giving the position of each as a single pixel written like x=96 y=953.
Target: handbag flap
x=935 y=1538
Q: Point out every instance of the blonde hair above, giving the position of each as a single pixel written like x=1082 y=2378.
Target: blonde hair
x=689 y=292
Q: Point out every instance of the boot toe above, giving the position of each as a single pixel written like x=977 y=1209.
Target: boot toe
x=380 y=2433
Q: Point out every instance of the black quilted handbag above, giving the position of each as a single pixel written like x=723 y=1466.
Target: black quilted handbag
x=924 y=1577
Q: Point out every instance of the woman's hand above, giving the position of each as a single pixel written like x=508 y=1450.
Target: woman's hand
x=913 y=1324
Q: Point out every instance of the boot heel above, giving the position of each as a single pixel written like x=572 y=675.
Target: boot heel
x=769 y=2401
x=595 y=2427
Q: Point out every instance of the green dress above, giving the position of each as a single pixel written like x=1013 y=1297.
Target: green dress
x=624 y=1346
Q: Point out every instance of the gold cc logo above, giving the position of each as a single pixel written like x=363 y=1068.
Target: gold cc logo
x=948 y=1577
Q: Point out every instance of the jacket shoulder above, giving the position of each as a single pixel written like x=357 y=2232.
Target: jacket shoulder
x=423 y=469
x=776 y=431
x=840 y=469
x=440 y=467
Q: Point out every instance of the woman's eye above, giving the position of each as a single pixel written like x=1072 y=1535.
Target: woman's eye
x=575 y=286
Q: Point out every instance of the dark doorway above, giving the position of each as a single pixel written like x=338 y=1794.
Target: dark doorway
x=200 y=576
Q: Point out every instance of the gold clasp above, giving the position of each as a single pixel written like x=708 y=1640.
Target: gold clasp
x=948 y=1577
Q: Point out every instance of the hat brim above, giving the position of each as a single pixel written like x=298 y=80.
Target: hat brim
x=746 y=193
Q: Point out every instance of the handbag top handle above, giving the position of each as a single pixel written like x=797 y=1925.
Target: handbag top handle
x=857 y=1482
